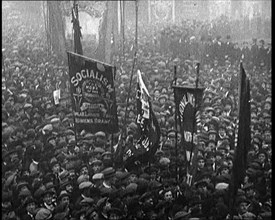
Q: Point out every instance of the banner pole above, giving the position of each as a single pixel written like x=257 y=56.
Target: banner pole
x=112 y=135
x=194 y=120
x=132 y=73
x=112 y=149
x=75 y=130
x=176 y=127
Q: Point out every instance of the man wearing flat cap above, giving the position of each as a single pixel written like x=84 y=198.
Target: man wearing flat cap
x=30 y=209
x=95 y=166
x=108 y=183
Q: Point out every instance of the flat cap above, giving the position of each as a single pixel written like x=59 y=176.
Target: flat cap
x=47 y=127
x=54 y=120
x=82 y=178
x=85 y=184
x=108 y=172
x=100 y=134
x=63 y=193
x=98 y=176
x=28 y=105
x=43 y=214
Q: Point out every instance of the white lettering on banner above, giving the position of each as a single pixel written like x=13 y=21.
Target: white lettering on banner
x=140 y=120
x=145 y=108
x=145 y=143
x=187 y=136
x=83 y=74
x=91 y=120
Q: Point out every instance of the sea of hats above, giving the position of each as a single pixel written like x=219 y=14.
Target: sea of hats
x=50 y=172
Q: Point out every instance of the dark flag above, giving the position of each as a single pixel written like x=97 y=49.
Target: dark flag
x=149 y=129
x=77 y=33
x=188 y=101
x=243 y=139
x=93 y=94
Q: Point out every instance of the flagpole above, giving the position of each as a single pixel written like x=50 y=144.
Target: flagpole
x=176 y=125
x=132 y=73
x=75 y=130
x=122 y=15
x=194 y=120
x=75 y=8
x=112 y=135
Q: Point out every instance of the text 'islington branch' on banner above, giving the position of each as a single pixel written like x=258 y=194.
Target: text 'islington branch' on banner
x=93 y=94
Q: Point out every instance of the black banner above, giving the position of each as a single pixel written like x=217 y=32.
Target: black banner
x=244 y=138
x=188 y=101
x=149 y=129
x=93 y=94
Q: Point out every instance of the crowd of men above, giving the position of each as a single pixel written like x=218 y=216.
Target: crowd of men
x=48 y=173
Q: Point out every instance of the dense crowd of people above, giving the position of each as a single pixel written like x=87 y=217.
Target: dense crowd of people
x=50 y=172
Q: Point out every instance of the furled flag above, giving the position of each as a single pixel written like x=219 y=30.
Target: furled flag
x=243 y=139
x=149 y=129
x=77 y=32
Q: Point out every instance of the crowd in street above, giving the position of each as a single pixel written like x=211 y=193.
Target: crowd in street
x=48 y=173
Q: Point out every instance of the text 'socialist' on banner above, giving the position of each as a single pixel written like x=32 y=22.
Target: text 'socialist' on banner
x=93 y=94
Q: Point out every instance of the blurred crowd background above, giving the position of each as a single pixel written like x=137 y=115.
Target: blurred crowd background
x=46 y=174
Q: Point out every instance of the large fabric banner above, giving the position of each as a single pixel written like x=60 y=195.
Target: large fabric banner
x=243 y=140
x=188 y=101
x=149 y=129
x=93 y=94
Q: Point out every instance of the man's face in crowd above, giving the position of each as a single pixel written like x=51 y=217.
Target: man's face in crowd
x=28 y=110
x=212 y=145
x=230 y=164
x=69 y=188
x=48 y=198
x=53 y=141
x=65 y=200
x=114 y=216
x=267 y=136
x=19 y=134
x=168 y=196
x=157 y=93
x=250 y=193
x=14 y=157
x=207 y=100
x=212 y=159
x=224 y=171
x=262 y=158
x=242 y=208
x=132 y=178
x=55 y=125
x=227 y=107
x=201 y=163
x=94 y=216
x=84 y=171
x=212 y=136
x=267 y=106
x=218 y=157
x=31 y=208
x=162 y=101
x=96 y=168
x=56 y=168
x=222 y=132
